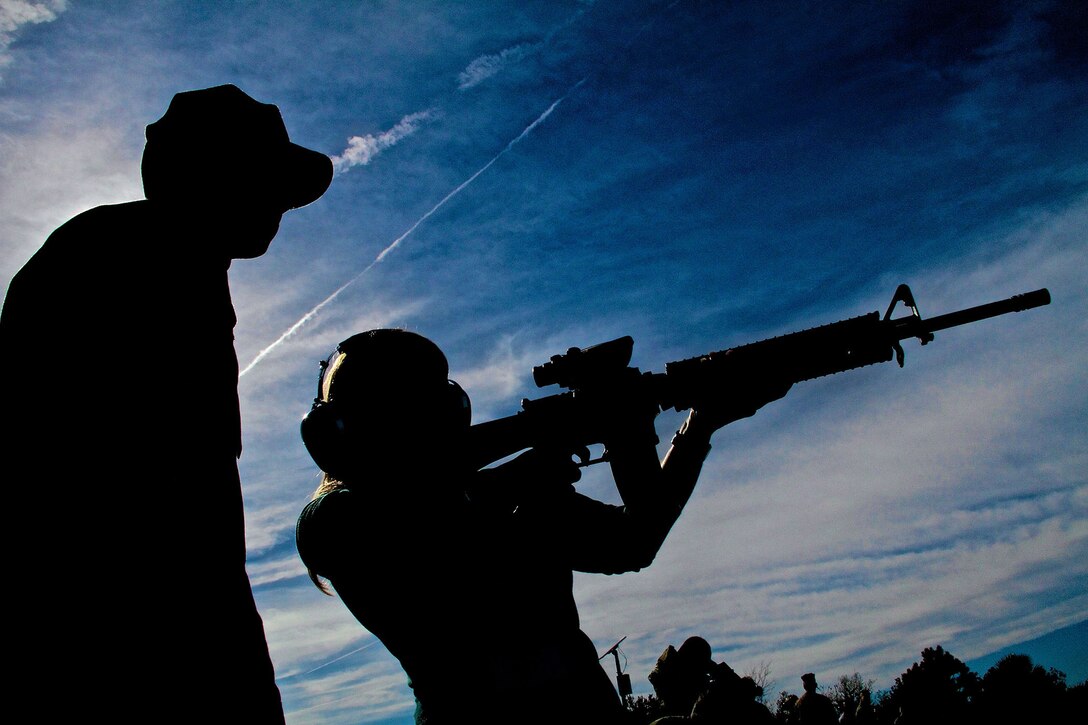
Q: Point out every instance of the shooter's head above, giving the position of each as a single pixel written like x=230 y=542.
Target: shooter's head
x=384 y=399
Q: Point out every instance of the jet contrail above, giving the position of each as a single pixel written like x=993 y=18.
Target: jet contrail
x=396 y=242
x=366 y=646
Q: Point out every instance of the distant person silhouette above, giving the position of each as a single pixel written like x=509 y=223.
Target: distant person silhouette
x=730 y=699
x=464 y=575
x=705 y=692
x=787 y=709
x=680 y=676
x=814 y=708
x=849 y=711
x=125 y=530
x=863 y=714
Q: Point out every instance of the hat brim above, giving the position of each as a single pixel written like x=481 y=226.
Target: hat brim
x=305 y=175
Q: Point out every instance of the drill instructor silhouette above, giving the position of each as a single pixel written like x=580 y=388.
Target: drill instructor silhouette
x=126 y=539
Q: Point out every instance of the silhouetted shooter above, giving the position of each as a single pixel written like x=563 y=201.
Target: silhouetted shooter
x=466 y=575
x=126 y=540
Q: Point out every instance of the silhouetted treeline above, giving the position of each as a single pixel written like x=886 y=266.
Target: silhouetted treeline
x=938 y=690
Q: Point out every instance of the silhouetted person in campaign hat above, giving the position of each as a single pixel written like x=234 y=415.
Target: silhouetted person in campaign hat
x=812 y=707
x=125 y=532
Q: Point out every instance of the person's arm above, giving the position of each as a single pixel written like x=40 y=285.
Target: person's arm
x=604 y=538
x=654 y=493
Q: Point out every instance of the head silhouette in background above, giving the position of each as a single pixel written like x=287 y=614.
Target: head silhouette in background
x=681 y=675
x=814 y=708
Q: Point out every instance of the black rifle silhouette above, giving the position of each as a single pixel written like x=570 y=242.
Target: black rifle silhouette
x=597 y=378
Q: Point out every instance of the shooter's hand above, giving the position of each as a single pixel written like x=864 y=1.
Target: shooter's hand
x=736 y=401
x=536 y=475
x=549 y=465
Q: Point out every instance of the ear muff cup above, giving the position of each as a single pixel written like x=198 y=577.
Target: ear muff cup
x=323 y=434
x=460 y=406
x=325 y=429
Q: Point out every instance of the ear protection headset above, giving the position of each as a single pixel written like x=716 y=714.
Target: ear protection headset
x=328 y=429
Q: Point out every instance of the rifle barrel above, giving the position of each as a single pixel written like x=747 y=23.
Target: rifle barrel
x=1016 y=303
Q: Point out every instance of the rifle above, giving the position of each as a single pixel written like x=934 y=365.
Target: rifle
x=597 y=377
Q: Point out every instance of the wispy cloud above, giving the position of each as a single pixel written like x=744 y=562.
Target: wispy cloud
x=486 y=66
x=482 y=68
x=361 y=150
x=15 y=14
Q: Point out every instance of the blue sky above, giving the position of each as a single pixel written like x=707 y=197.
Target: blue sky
x=518 y=178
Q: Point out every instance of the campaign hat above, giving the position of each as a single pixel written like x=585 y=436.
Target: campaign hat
x=221 y=140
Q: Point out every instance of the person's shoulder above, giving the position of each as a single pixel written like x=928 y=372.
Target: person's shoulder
x=106 y=214
x=62 y=265
x=76 y=233
x=321 y=526
x=94 y=232
x=324 y=508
